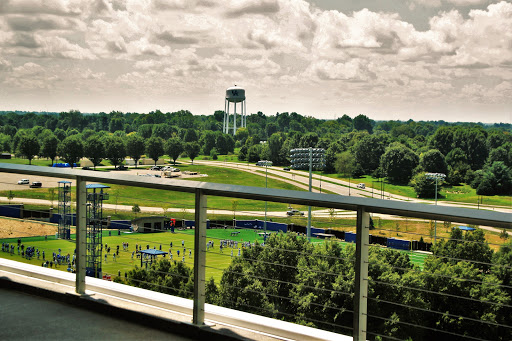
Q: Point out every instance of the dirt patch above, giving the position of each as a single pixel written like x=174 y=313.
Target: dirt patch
x=13 y=228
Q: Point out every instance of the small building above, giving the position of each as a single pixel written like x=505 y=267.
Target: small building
x=5 y=156
x=151 y=224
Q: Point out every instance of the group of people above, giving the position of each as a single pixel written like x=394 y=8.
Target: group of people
x=26 y=252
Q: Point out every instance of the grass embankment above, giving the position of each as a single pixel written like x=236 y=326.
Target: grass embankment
x=462 y=193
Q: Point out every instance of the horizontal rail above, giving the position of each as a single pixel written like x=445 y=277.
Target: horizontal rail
x=391 y=207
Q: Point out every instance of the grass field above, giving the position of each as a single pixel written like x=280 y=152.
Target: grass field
x=127 y=195
x=216 y=261
x=462 y=193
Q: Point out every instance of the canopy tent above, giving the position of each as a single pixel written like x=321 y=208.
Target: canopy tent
x=152 y=253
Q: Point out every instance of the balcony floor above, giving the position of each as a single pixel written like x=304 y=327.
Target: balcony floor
x=28 y=317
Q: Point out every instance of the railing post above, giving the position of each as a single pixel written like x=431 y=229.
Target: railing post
x=199 y=258
x=81 y=248
x=361 y=275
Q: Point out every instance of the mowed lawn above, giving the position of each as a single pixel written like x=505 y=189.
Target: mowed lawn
x=216 y=261
x=129 y=195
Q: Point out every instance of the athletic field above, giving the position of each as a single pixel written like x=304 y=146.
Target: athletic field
x=216 y=261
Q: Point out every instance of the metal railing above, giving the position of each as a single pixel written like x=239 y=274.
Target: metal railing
x=201 y=190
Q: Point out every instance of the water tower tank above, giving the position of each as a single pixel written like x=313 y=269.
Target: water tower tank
x=235 y=94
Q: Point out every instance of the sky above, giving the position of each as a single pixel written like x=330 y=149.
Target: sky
x=388 y=59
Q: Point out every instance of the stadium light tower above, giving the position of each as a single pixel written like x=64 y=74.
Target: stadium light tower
x=312 y=159
x=436 y=177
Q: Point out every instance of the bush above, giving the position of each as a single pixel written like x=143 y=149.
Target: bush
x=214 y=154
x=424 y=187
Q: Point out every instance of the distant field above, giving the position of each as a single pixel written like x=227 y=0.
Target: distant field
x=216 y=261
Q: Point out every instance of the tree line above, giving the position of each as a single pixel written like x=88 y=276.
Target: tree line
x=402 y=152
x=464 y=289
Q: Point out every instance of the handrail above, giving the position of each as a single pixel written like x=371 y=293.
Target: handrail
x=406 y=209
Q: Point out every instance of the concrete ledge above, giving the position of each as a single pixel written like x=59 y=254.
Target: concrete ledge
x=165 y=312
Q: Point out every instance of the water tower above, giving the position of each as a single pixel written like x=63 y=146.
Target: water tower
x=234 y=95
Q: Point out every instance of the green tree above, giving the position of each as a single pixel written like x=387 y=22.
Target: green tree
x=94 y=150
x=191 y=135
x=163 y=130
x=398 y=163
x=145 y=130
x=115 y=150
x=424 y=188
x=71 y=149
x=49 y=147
x=442 y=140
x=241 y=135
x=155 y=148
x=242 y=153
x=308 y=140
x=368 y=152
x=29 y=147
x=172 y=278
x=174 y=147
x=224 y=143
x=275 y=142
x=470 y=246
x=116 y=123
x=499 y=154
x=271 y=128
x=135 y=147
x=496 y=179
x=253 y=154
x=433 y=162
x=473 y=142
x=192 y=149
x=208 y=141
x=345 y=163
x=136 y=209
x=362 y=122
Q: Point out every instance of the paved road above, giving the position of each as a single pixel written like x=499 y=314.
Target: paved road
x=300 y=179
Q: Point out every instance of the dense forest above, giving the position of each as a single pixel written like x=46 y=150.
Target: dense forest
x=402 y=152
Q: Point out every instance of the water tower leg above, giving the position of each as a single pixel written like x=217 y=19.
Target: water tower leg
x=227 y=122
x=234 y=122
x=224 y=123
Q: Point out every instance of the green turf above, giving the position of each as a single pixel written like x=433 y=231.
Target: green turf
x=216 y=261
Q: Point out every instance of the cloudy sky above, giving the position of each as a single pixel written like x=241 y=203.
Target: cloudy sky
x=388 y=59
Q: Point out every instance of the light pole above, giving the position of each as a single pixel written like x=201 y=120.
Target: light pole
x=308 y=158
x=436 y=177
x=265 y=222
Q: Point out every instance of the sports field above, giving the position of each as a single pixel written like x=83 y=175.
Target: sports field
x=216 y=261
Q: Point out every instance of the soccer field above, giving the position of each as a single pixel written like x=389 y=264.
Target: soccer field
x=216 y=261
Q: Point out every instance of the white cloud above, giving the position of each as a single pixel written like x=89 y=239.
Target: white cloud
x=467 y=2
x=166 y=48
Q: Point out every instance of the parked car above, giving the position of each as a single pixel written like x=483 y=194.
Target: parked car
x=86 y=168
x=361 y=185
x=122 y=167
x=286 y=168
x=23 y=182
x=36 y=184
x=294 y=212
x=156 y=168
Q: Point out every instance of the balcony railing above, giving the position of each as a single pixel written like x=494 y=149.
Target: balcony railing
x=366 y=307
